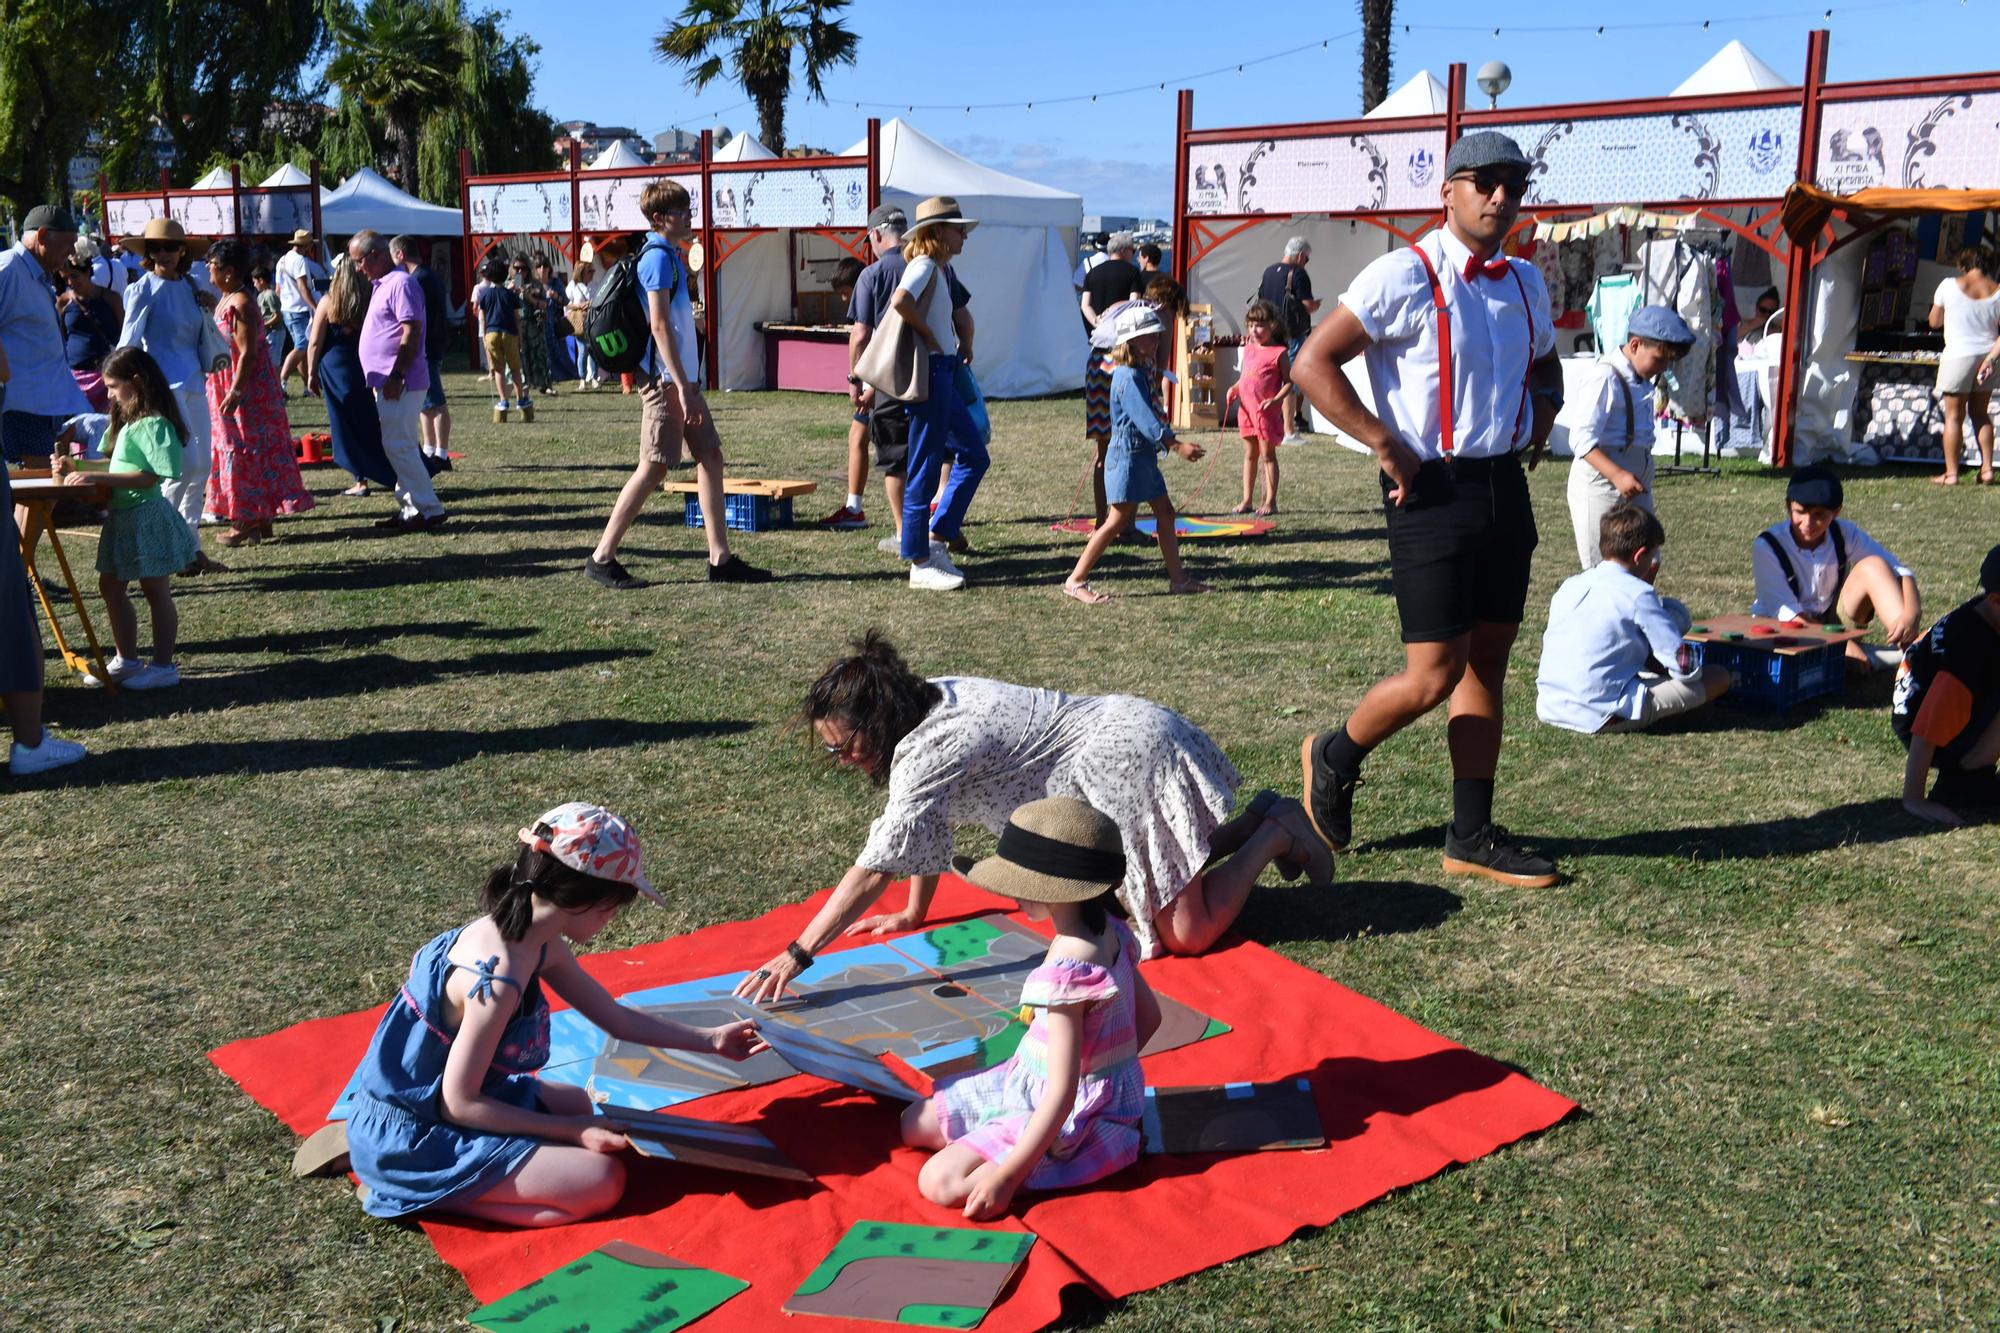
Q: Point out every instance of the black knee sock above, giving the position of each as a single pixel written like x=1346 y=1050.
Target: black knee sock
x=1343 y=755
x=1471 y=805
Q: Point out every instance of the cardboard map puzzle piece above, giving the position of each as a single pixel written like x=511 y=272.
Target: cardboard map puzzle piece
x=943 y=1277
x=619 y=1286
x=836 y=1061
x=709 y=1143
x=1231 y=1117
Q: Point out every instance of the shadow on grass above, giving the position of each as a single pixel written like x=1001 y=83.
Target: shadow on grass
x=323 y=640
x=1348 y=911
x=418 y=750
x=1856 y=824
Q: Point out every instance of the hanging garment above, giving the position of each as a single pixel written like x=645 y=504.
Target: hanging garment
x=1611 y=305
x=1675 y=275
x=1547 y=259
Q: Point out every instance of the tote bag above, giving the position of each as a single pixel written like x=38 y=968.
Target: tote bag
x=896 y=364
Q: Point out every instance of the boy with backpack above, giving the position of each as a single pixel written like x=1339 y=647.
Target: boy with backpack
x=1815 y=565
x=642 y=320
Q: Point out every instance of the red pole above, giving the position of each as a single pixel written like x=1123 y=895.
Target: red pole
x=104 y=207
x=1183 y=122
x=317 y=221
x=1798 y=264
x=575 y=203
x=1454 y=105
x=709 y=260
x=874 y=162
x=236 y=196
x=467 y=259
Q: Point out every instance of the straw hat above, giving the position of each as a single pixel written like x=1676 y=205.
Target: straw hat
x=303 y=237
x=165 y=229
x=941 y=208
x=1055 y=850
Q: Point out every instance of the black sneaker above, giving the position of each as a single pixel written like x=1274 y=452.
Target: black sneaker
x=611 y=574
x=733 y=570
x=1329 y=798
x=1490 y=852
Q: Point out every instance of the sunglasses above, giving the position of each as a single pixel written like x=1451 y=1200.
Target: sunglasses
x=841 y=749
x=1487 y=181
x=162 y=247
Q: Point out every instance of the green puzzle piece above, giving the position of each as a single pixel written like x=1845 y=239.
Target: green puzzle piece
x=621 y=1286
x=913 y=1274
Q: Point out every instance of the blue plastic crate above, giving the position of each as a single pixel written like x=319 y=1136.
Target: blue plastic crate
x=744 y=513
x=1777 y=682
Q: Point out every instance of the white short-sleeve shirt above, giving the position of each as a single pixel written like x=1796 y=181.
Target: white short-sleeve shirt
x=292 y=266
x=1495 y=337
x=1601 y=416
x=1817 y=570
x=1970 y=326
x=936 y=309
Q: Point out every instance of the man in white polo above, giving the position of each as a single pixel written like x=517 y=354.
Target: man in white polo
x=1464 y=378
x=301 y=278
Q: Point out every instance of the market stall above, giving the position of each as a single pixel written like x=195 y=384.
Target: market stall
x=220 y=205
x=751 y=217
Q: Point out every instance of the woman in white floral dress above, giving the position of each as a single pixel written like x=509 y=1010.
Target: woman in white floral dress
x=963 y=750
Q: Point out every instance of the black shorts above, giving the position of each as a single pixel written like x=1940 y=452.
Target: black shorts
x=1460 y=547
x=889 y=429
x=1984 y=709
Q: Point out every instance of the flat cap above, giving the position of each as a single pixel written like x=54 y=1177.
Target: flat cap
x=1815 y=487
x=49 y=217
x=887 y=215
x=1660 y=324
x=1485 y=148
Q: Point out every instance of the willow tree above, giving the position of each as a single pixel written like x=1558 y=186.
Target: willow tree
x=754 y=43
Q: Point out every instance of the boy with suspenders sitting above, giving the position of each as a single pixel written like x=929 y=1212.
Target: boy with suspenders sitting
x=1818 y=566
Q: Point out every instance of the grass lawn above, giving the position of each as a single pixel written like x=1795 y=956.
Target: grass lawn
x=1774 y=994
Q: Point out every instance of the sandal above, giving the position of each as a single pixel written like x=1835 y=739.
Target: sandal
x=1187 y=587
x=236 y=537
x=358 y=491
x=1945 y=479
x=1084 y=593
x=1986 y=476
x=1243 y=508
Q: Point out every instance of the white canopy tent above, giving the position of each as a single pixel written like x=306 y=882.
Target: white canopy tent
x=1422 y=95
x=745 y=148
x=1733 y=69
x=619 y=154
x=289 y=174
x=216 y=179
x=366 y=200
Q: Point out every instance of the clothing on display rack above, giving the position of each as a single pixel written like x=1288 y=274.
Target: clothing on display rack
x=1611 y=305
x=1681 y=276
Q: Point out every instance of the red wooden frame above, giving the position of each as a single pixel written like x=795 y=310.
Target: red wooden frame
x=717 y=243
x=1194 y=238
x=166 y=194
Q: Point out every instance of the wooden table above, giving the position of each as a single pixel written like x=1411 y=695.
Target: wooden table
x=1787 y=638
x=37 y=492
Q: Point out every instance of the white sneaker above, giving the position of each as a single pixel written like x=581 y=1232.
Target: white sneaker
x=941 y=559
x=890 y=546
x=931 y=578
x=51 y=753
x=1881 y=657
x=153 y=677
x=1293 y=437
x=120 y=669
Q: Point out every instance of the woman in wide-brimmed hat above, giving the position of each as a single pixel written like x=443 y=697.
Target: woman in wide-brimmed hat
x=163 y=318
x=961 y=750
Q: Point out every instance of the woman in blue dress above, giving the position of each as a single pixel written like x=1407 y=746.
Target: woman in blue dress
x=450 y=1116
x=333 y=370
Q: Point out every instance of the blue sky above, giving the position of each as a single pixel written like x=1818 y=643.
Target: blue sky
x=1117 y=152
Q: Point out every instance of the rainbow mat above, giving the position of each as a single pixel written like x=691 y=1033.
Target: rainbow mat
x=1187 y=529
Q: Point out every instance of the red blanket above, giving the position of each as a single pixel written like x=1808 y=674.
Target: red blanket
x=1398 y=1103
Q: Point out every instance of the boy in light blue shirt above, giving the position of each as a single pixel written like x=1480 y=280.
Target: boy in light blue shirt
x=1613 y=658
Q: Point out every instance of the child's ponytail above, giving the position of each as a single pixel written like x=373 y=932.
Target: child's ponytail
x=508 y=897
x=509 y=893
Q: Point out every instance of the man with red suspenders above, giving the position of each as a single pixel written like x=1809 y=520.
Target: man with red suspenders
x=1464 y=378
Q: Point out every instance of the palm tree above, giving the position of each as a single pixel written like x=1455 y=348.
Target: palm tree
x=754 y=41
x=402 y=58
x=1377 y=16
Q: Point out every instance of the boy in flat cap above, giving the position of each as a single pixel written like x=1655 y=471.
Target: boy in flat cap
x=1611 y=424
x=1815 y=565
x=1464 y=378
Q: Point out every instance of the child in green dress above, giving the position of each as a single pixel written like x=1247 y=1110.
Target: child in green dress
x=143 y=538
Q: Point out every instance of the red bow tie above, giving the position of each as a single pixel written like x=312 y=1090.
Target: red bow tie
x=1474 y=269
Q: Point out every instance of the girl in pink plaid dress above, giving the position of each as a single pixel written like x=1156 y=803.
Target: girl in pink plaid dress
x=1065 y=1110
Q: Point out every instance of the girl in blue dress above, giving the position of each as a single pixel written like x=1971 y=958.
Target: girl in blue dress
x=450 y=1116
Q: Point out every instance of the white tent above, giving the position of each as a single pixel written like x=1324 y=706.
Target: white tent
x=1733 y=69
x=287 y=175
x=619 y=154
x=744 y=148
x=216 y=179
x=367 y=200
x=1422 y=95
x=1016 y=264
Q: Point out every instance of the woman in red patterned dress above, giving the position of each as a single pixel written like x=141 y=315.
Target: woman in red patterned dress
x=256 y=474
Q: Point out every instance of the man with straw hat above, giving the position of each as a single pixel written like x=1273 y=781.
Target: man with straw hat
x=301 y=281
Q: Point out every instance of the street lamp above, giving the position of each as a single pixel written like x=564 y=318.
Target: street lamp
x=1493 y=78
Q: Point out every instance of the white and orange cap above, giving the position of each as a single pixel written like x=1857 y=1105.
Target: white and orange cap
x=590 y=839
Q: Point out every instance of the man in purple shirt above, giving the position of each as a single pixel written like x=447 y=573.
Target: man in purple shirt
x=392 y=361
